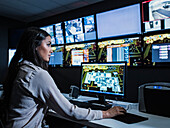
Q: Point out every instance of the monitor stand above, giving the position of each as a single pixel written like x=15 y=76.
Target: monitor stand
x=101 y=100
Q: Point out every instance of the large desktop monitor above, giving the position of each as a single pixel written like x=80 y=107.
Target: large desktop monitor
x=155 y=15
x=127 y=49
x=119 y=22
x=104 y=79
x=156 y=49
x=77 y=53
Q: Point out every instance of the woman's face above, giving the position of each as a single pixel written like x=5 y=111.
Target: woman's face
x=45 y=49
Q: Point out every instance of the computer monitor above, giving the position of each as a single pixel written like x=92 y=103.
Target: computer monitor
x=50 y=30
x=126 y=49
x=57 y=56
x=119 y=22
x=104 y=79
x=77 y=53
x=156 y=49
x=155 y=15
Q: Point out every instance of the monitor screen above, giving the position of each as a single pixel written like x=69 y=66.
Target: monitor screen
x=57 y=56
x=80 y=29
x=104 y=78
x=74 y=30
x=155 y=47
x=161 y=52
x=119 y=22
x=77 y=53
x=59 y=34
x=128 y=49
x=11 y=53
x=50 y=30
x=155 y=14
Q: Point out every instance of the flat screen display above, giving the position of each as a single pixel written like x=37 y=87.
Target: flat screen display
x=128 y=49
x=74 y=30
x=118 y=22
x=50 y=30
x=78 y=53
x=59 y=34
x=103 y=78
x=155 y=14
x=80 y=29
x=155 y=47
x=161 y=52
x=57 y=56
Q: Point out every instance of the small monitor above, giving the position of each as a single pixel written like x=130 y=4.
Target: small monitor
x=156 y=49
x=77 y=53
x=59 y=33
x=57 y=56
x=155 y=15
x=104 y=79
x=161 y=52
x=50 y=30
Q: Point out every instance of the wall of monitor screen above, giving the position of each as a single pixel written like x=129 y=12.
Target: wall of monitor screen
x=136 y=33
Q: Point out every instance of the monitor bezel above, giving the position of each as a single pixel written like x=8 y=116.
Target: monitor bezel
x=108 y=96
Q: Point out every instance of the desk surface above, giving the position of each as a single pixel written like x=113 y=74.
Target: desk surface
x=154 y=121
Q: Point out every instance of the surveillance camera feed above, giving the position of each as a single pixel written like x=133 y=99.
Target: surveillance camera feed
x=74 y=30
x=50 y=30
x=80 y=29
x=77 y=53
x=156 y=49
x=128 y=49
x=57 y=56
x=105 y=78
x=155 y=12
x=59 y=34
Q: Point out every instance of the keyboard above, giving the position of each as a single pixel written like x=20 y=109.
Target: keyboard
x=93 y=106
x=128 y=118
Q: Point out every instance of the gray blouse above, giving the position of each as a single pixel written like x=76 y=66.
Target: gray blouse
x=34 y=90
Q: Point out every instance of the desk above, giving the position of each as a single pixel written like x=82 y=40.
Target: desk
x=154 y=121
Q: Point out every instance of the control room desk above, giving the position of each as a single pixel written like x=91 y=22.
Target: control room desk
x=154 y=121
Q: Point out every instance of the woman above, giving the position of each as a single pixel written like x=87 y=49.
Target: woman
x=30 y=90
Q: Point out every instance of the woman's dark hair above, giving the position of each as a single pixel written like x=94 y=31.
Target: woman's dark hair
x=26 y=50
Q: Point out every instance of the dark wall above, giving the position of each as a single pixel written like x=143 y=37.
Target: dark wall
x=5 y=24
x=135 y=76
x=84 y=11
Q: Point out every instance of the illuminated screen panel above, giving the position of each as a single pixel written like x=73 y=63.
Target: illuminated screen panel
x=81 y=29
x=103 y=78
x=89 y=27
x=118 y=22
x=11 y=53
x=50 y=30
x=128 y=49
x=74 y=30
x=59 y=34
x=155 y=46
x=161 y=52
x=154 y=14
x=57 y=56
x=152 y=26
x=77 y=53
x=167 y=23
